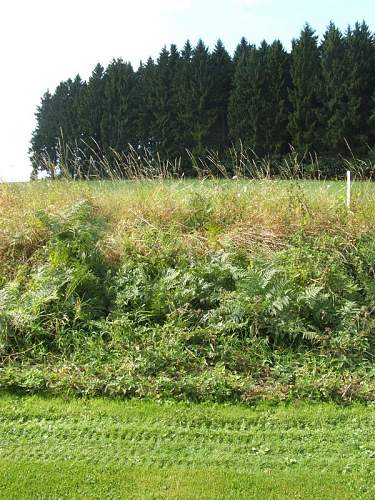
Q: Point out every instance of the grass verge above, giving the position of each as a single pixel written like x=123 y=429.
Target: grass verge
x=221 y=291
x=69 y=448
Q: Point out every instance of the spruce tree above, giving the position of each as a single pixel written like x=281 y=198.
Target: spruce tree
x=335 y=98
x=164 y=102
x=184 y=101
x=117 y=129
x=222 y=73
x=145 y=116
x=173 y=150
x=258 y=107
x=360 y=85
x=43 y=150
x=372 y=124
x=90 y=111
x=241 y=49
x=92 y=102
x=58 y=124
x=259 y=102
x=62 y=104
x=277 y=85
x=305 y=117
x=202 y=99
x=77 y=88
x=239 y=117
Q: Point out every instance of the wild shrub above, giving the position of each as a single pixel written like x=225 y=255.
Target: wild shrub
x=304 y=295
x=65 y=287
x=171 y=320
x=154 y=292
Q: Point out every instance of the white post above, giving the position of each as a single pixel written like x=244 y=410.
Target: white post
x=348 y=186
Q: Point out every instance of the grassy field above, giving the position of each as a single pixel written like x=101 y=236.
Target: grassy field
x=68 y=448
x=204 y=214
x=167 y=202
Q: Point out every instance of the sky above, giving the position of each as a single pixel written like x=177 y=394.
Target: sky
x=45 y=41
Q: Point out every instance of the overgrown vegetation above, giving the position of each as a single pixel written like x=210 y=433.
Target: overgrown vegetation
x=206 y=291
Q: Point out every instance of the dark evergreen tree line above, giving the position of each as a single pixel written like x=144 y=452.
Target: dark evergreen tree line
x=319 y=98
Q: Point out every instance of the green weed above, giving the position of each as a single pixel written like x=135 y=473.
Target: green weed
x=205 y=307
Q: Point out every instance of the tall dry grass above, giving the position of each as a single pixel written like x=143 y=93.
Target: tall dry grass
x=199 y=213
x=238 y=202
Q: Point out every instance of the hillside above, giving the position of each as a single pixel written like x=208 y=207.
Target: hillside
x=231 y=290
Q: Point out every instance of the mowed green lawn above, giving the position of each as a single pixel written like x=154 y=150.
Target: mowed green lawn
x=56 y=448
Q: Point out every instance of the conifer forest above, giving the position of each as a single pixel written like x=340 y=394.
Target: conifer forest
x=318 y=99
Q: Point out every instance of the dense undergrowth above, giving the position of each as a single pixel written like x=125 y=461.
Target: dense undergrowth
x=189 y=300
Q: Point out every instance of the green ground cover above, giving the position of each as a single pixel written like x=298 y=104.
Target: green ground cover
x=78 y=448
x=209 y=290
